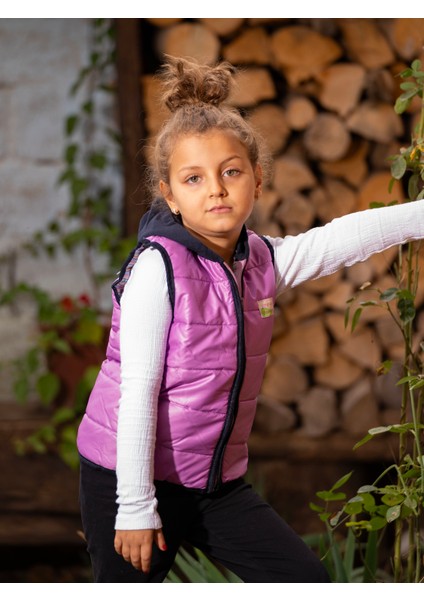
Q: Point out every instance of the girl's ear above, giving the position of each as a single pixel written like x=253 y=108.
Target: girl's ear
x=165 y=190
x=258 y=181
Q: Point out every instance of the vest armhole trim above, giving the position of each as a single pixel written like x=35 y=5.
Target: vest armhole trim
x=269 y=246
x=169 y=271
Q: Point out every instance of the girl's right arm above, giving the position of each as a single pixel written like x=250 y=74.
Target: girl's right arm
x=145 y=320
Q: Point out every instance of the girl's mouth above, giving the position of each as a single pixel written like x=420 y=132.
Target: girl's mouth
x=220 y=209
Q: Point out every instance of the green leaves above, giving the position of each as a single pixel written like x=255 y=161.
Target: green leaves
x=398 y=167
x=405 y=305
x=196 y=567
x=48 y=386
x=410 y=88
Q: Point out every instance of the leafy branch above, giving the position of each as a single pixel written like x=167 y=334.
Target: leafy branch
x=396 y=496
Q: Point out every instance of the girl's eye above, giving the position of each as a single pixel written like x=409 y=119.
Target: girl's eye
x=193 y=179
x=231 y=172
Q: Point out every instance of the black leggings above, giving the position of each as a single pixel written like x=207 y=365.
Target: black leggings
x=234 y=526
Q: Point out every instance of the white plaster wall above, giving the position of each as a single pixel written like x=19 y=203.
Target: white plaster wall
x=39 y=60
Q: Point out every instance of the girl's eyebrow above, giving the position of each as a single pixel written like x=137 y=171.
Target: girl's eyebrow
x=189 y=168
x=194 y=167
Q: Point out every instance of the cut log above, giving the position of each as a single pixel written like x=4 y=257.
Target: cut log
x=333 y=200
x=304 y=306
x=381 y=263
x=358 y=409
x=308 y=343
x=251 y=87
x=268 y=202
x=370 y=271
x=379 y=155
x=388 y=333
x=251 y=46
x=284 y=379
x=375 y=121
x=338 y=373
x=363 y=348
x=222 y=26
x=407 y=37
x=272 y=417
x=163 y=22
x=318 y=411
x=385 y=389
x=365 y=43
x=300 y=112
x=296 y=214
x=338 y=295
x=372 y=312
x=271 y=122
x=360 y=273
x=264 y=209
x=376 y=189
x=280 y=324
x=190 y=40
x=353 y=167
x=321 y=285
x=302 y=53
x=335 y=324
x=341 y=87
x=327 y=138
x=380 y=86
x=292 y=174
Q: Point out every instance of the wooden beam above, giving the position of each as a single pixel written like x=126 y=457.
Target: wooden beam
x=129 y=67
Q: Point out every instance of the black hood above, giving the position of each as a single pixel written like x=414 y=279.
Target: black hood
x=161 y=221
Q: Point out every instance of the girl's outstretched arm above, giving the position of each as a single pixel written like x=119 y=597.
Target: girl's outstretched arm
x=344 y=242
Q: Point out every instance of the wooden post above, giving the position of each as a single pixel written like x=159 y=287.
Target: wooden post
x=129 y=66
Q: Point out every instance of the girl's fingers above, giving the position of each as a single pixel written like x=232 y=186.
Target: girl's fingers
x=160 y=540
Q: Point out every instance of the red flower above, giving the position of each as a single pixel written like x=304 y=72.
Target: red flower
x=84 y=300
x=67 y=304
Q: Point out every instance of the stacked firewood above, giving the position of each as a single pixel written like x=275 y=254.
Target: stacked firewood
x=321 y=93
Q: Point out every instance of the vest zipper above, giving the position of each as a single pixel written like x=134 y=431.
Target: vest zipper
x=215 y=472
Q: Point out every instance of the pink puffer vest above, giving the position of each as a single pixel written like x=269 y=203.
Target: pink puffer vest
x=217 y=347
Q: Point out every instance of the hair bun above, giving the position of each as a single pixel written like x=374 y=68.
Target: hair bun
x=188 y=83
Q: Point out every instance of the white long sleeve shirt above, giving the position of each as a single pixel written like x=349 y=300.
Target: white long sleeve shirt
x=146 y=318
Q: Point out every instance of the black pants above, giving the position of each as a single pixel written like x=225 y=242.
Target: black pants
x=234 y=526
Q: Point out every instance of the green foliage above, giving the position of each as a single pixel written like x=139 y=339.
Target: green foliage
x=339 y=556
x=410 y=160
x=196 y=567
x=66 y=325
x=395 y=500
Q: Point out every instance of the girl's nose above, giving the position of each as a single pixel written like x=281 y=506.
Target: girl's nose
x=216 y=189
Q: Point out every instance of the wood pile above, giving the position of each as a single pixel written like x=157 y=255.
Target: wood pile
x=321 y=93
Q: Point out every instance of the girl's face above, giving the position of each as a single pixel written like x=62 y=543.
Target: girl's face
x=213 y=185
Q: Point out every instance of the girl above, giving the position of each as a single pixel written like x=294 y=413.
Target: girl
x=163 y=443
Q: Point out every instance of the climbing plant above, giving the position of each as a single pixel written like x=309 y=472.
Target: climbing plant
x=394 y=500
